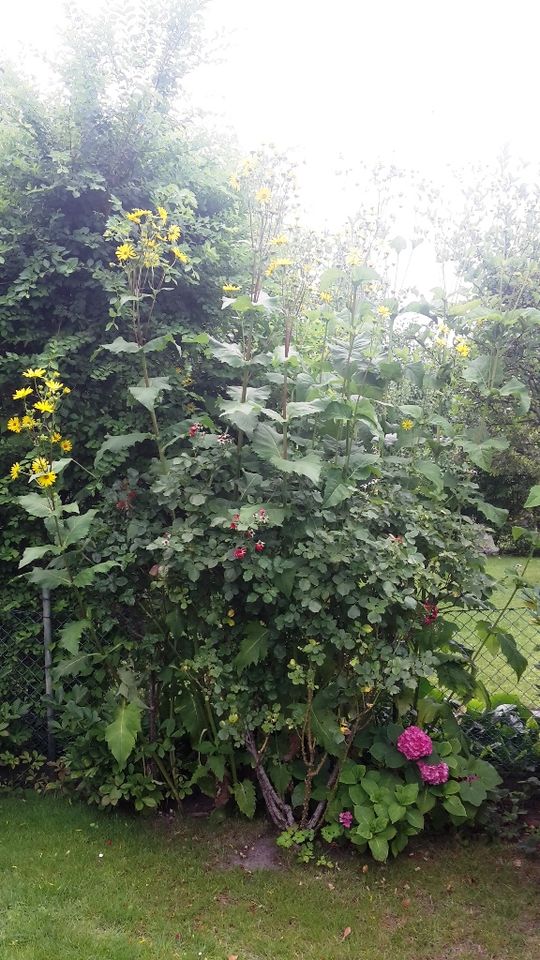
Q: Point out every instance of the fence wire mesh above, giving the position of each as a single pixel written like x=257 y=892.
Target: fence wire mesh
x=22 y=661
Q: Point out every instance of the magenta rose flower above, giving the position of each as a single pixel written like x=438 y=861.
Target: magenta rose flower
x=346 y=819
x=413 y=743
x=433 y=774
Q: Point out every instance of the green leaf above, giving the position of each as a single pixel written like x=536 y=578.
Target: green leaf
x=511 y=654
x=50 y=579
x=336 y=492
x=217 y=766
x=120 y=345
x=306 y=409
x=36 y=504
x=70 y=635
x=36 y=553
x=533 y=500
x=515 y=388
x=160 y=343
x=309 y=466
x=432 y=472
x=325 y=728
x=396 y=812
x=241 y=415
x=254 y=645
x=473 y=792
x=229 y=353
x=415 y=818
x=454 y=806
x=70 y=668
x=379 y=849
x=87 y=576
x=79 y=527
x=387 y=754
x=496 y=514
x=121 y=734
x=147 y=395
x=481 y=453
x=407 y=793
x=119 y=443
x=244 y=794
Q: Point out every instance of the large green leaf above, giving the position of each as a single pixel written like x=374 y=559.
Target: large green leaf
x=71 y=633
x=515 y=388
x=50 y=579
x=254 y=645
x=533 y=500
x=87 y=576
x=121 y=734
x=482 y=452
x=36 y=553
x=454 y=806
x=78 y=527
x=244 y=794
x=432 y=472
x=147 y=395
x=379 y=849
x=511 y=654
x=36 y=504
x=306 y=409
x=120 y=345
x=119 y=443
x=229 y=353
x=496 y=514
x=242 y=415
x=309 y=466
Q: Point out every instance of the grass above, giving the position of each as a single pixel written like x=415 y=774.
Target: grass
x=494 y=671
x=165 y=890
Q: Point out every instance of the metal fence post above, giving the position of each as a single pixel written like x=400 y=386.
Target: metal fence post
x=47 y=639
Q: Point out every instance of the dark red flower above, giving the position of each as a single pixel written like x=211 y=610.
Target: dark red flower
x=233 y=526
x=121 y=505
x=132 y=494
x=194 y=429
x=240 y=553
x=259 y=546
x=432 y=612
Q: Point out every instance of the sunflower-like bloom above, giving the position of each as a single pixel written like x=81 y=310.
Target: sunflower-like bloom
x=32 y=374
x=126 y=251
x=15 y=470
x=44 y=406
x=46 y=480
x=14 y=424
x=22 y=393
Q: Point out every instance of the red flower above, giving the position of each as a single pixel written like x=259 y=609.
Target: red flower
x=250 y=534
x=121 y=505
x=132 y=494
x=259 y=546
x=432 y=612
x=240 y=553
x=194 y=429
x=233 y=526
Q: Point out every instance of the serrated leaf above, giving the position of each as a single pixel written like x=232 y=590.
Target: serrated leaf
x=119 y=443
x=87 y=576
x=244 y=794
x=496 y=514
x=147 y=395
x=70 y=635
x=35 y=504
x=31 y=554
x=121 y=345
x=79 y=527
x=121 y=734
x=254 y=645
x=50 y=579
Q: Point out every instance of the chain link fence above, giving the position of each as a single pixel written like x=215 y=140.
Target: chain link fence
x=28 y=653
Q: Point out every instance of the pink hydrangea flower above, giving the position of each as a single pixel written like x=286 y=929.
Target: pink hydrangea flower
x=346 y=819
x=435 y=773
x=414 y=743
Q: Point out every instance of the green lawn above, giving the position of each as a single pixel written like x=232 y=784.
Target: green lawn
x=164 y=890
x=494 y=671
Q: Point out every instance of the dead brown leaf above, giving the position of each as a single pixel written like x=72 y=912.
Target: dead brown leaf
x=346 y=933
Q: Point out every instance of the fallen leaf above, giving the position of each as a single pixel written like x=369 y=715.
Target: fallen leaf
x=232 y=956
x=331 y=886
x=346 y=933
x=365 y=868
x=406 y=903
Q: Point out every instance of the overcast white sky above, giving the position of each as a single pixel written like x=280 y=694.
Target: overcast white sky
x=422 y=83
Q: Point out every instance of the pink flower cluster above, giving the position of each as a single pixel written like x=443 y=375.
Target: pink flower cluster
x=346 y=819
x=434 y=774
x=413 y=743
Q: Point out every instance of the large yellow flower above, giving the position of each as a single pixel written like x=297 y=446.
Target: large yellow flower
x=407 y=424
x=55 y=437
x=28 y=422
x=54 y=385
x=230 y=288
x=278 y=262
x=174 y=233
x=46 y=480
x=126 y=251
x=263 y=195
x=14 y=424
x=234 y=182
x=15 y=470
x=31 y=373
x=180 y=255
x=40 y=465
x=66 y=446
x=279 y=241
x=22 y=393
x=136 y=215
x=162 y=214
x=44 y=406
x=383 y=312
x=326 y=296
x=463 y=349
x=354 y=258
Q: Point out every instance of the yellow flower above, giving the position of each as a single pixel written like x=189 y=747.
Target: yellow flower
x=263 y=195
x=15 y=470
x=126 y=251
x=55 y=437
x=174 y=233
x=325 y=296
x=463 y=349
x=383 y=312
x=162 y=214
x=44 y=406
x=28 y=422
x=278 y=262
x=187 y=381
x=248 y=166
x=22 y=393
x=407 y=424
x=230 y=288
x=354 y=258
x=14 y=424
x=151 y=259
x=66 y=390
x=46 y=480
x=38 y=372
x=136 y=215
x=230 y=613
x=40 y=465
x=180 y=255
x=279 y=241
x=66 y=446
x=234 y=182
x=54 y=385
